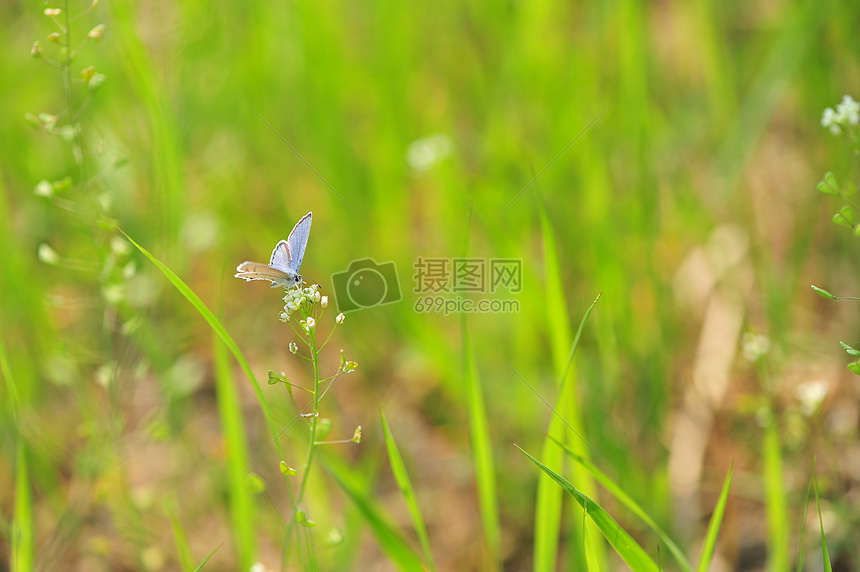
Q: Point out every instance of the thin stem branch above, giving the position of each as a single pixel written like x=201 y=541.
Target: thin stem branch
x=313 y=430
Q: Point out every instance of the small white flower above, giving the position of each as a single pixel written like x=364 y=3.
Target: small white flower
x=423 y=154
x=52 y=12
x=317 y=296
x=285 y=316
x=119 y=246
x=754 y=346
x=311 y=323
x=324 y=301
x=810 y=395
x=349 y=367
x=340 y=318
x=48 y=255
x=293 y=348
x=830 y=120
x=44 y=189
x=848 y=110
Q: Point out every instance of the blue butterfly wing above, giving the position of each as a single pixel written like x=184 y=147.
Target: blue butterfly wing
x=281 y=257
x=296 y=244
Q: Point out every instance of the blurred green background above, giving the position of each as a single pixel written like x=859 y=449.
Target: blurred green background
x=687 y=198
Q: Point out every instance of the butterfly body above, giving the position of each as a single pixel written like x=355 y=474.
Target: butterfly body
x=283 y=267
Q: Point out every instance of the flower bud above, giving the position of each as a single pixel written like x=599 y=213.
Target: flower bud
x=36 y=51
x=52 y=12
x=293 y=348
x=48 y=255
x=54 y=38
x=96 y=81
x=49 y=121
x=340 y=318
x=88 y=73
x=311 y=323
x=324 y=301
x=97 y=33
x=44 y=189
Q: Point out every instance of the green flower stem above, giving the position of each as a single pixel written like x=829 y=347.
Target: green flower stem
x=313 y=428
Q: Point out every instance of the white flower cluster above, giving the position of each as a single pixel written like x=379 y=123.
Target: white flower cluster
x=295 y=297
x=847 y=113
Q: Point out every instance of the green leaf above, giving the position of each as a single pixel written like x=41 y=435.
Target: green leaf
x=630 y=504
x=22 y=541
x=845 y=217
x=22 y=523
x=221 y=332
x=800 y=544
x=824 y=553
x=710 y=543
x=387 y=537
x=482 y=451
x=405 y=486
x=591 y=560
x=851 y=351
x=854 y=367
x=255 y=484
x=776 y=503
x=240 y=499
x=183 y=547
x=205 y=560
x=563 y=349
x=618 y=538
x=828 y=185
x=302 y=519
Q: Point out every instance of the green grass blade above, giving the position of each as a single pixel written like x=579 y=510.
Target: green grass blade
x=389 y=540
x=619 y=493
x=787 y=52
x=591 y=562
x=22 y=523
x=221 y=333
x=549 y=502
x=22 y=541
x=482 y=452
x=824 y=553
x=548 y=506
x=800 y=551
x=143 y=79
x=240 y=497
x=405 y=485
x=186 y=558
x=710 y=543
x=775 y=501
x=549 y=497
x=623 y=543
x=205 y=560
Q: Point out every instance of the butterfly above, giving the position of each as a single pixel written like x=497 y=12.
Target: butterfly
x=283 y=267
